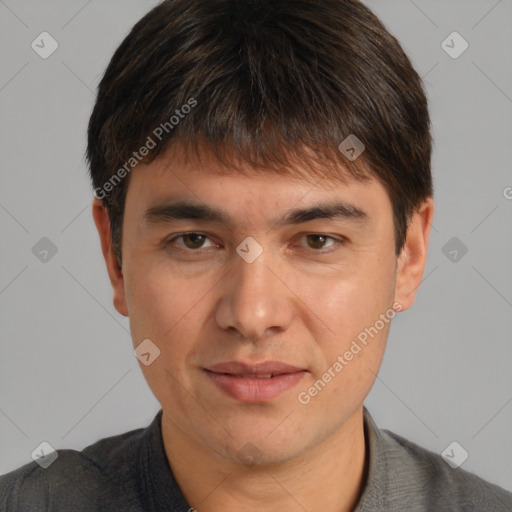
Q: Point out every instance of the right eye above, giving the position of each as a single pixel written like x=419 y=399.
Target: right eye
x=192 y=241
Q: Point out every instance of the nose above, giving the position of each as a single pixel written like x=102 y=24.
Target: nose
x=254 y=298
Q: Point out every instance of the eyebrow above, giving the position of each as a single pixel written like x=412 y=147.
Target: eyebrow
x=187 y=210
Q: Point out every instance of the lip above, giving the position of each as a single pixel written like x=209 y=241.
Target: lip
x=240 y=380
x=241 y=368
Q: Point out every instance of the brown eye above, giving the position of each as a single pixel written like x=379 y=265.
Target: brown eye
x=192 y=241
x=318 y=241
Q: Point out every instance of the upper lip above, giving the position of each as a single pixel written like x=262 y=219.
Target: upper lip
x=264 y=368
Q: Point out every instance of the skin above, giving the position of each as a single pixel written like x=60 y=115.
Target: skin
x=302 y=301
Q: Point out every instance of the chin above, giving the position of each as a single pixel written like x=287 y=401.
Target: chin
x=264 y=446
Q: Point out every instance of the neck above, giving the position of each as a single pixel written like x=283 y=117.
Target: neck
x=328 y=477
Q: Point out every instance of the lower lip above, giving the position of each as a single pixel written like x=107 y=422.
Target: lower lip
x=253 y=389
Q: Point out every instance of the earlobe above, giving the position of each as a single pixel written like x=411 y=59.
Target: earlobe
x=413 y=257
x=102 y=221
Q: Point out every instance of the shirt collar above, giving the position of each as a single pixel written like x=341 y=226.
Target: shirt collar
x=375 y=495
x=161 y=491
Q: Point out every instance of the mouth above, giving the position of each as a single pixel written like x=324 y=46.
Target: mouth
x=255 y=383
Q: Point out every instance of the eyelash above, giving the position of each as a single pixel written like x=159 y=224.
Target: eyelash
x=186 y=249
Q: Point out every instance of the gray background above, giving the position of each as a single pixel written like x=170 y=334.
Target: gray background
x=67 y=371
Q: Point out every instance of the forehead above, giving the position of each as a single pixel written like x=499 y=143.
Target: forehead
x=304 y=166
x=178 y=185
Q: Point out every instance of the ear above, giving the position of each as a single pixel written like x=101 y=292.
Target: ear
x=412 y=259
x=102 y=221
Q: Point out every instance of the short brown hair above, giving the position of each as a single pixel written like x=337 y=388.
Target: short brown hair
x=271 y=80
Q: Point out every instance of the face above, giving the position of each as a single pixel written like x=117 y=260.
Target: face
x=255 y=289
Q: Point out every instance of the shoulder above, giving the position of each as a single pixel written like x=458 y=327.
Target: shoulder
x=75 y=480
x=428 y=479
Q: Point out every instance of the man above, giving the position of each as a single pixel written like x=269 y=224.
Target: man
x=263 y=197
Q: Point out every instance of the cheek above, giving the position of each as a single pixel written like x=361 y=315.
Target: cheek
x=343 y=382
x=169 y=311
x=159 y=301
x=165 y=310
x=351 y=301
x=352 y=348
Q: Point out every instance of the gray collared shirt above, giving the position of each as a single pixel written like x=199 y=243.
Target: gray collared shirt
x=130 y=472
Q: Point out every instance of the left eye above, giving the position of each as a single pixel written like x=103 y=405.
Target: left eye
x=319 y=240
